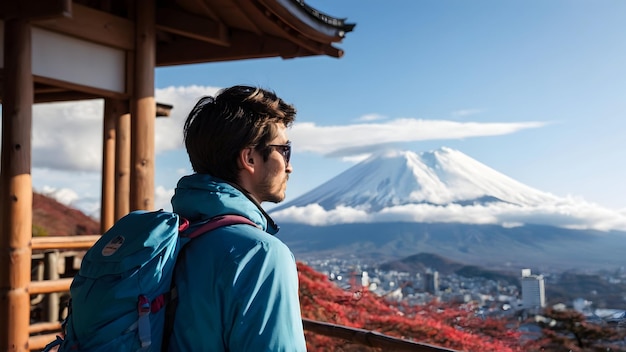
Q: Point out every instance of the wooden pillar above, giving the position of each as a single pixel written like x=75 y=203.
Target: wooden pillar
x=122 y=165
x=107 y=200
x=16 y=189
x=143 y=108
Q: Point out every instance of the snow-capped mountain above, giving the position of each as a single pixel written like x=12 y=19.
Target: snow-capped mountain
x=443 y=186
x=438 y=177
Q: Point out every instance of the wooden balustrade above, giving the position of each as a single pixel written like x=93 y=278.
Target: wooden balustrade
x=63 y=242
x=45 y=332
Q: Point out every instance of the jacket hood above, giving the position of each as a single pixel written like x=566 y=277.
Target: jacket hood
x=201 y=197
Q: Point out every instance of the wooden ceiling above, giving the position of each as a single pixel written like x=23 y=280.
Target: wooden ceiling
x=187 y=31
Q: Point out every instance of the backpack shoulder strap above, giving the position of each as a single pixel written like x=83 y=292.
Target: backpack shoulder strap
x=210 y=225
x=219 y=221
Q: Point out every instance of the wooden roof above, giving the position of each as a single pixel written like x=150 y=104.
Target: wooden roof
x=187 y=31
x=233 y=30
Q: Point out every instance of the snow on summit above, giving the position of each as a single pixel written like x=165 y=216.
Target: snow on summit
x=443 y=185
x=440 y=177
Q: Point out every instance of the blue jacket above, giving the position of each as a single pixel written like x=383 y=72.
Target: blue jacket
x=238 y=285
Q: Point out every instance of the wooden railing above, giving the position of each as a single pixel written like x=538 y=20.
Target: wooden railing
x=44 y=332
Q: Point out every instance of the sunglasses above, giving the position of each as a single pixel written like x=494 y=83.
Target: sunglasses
x=283 y=149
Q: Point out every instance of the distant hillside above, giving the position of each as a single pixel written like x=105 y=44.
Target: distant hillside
x=52 y=218
x=540 y=248
x=593 y=287
x=424 y=261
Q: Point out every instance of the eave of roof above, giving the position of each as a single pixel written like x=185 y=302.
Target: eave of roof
x=246 y=29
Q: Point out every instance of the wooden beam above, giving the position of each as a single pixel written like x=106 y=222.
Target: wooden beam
x=16 y=189
x=49 y=90
x=192 y=26
x=94 y=26
x=77 y=88
x=143 y=108
x=35 y=9
x=41 y=88
x=244 y=45
x=163 y=110
x=64 y=96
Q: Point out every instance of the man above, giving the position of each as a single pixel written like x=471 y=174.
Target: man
x=237 y=285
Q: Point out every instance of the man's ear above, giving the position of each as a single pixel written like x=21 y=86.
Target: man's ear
x=246 y=159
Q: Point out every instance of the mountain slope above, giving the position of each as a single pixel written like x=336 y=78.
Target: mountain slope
x=443 y=176
x=56 y=219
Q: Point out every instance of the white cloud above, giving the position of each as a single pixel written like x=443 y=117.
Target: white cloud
x=68 y=135
x=357 y=158
x=162 y=198
x=371 y=117
x=466 y=112
x=353 y=139
x=67 y=196
x=86 y=185
x=169 y=130
x=568 y=213
x=64 y=195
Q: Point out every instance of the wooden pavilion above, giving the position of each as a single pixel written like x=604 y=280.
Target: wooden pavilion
x=64 y=50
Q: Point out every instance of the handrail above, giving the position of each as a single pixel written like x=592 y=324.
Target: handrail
x=64 y=242
x=369 y=338
x=44 y=326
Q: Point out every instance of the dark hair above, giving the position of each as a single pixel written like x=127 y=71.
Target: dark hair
x=239 y=117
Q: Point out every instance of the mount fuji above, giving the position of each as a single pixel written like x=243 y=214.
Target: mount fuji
x=399 y=203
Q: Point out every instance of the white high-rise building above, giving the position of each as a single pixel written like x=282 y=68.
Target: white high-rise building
x=533 y=290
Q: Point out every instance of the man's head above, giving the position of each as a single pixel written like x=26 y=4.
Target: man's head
x=240 y=137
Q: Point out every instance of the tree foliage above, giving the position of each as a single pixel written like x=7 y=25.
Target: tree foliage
x=568 y=330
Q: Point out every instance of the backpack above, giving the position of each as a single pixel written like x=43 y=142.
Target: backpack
x=125 y=281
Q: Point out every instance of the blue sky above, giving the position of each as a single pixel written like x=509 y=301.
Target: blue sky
x=535 y=89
